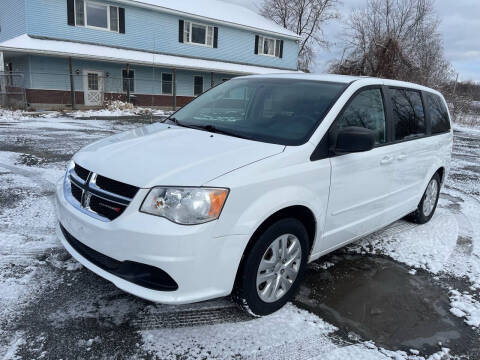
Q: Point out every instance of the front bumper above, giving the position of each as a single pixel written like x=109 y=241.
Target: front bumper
x=203 y=266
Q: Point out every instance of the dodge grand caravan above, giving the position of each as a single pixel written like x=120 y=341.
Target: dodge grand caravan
x=240 y=189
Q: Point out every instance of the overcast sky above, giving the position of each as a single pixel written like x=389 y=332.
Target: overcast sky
x=460 y=28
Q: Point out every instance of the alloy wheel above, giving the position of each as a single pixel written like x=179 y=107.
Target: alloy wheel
x=431 y=195
x=279 y=268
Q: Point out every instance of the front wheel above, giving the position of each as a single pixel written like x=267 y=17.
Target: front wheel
x=428 y=204
x=273 y=269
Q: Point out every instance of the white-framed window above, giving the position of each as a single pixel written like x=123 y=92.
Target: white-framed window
x=269 y=46
x=167 y=83
x=266 y=46
x=96 y=15
x=197 y=85
x=198 y=34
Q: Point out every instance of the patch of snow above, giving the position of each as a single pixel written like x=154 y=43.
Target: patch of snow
x=465 y=306
x=467 y=129
x=119 y=109
x=427 y=246
x=88 y=343
x=270 y=335
x=8 y=116
x=15 y=342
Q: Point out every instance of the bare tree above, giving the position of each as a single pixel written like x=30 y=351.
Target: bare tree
x=395 y=39
x=305 y=18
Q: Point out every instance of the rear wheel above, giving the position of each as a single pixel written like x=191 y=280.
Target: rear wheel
x=273 y=269
x=428 y=204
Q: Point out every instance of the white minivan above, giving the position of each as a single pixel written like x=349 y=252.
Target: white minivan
x=237 y=191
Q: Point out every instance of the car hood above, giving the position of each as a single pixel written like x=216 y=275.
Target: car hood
x=161 y=154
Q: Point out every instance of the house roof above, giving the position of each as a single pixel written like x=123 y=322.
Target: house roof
x=30 y=45
x=217 y=11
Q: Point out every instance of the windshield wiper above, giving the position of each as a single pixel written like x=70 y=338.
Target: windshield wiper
x=213 y=129
x=209 y=128
x=178 y=123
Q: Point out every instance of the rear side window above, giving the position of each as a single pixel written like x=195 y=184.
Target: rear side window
x=438 y=113
x=408 y=114
x=366 y=110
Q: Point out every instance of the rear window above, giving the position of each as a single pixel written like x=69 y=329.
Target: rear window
x=438 y=113
x=408 y=114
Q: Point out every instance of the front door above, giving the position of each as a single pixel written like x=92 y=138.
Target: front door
x=361 y=183
x=93 y=85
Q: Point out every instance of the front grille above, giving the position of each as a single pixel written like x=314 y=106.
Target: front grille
x=144 y=275
x=77 y=192
x=117 y=187
x=81 y=172
x=98 y=195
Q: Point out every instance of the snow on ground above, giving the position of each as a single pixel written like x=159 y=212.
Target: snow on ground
x=464 y=128
x=120 y=109
x=464 y=305
x=439 y=239
x=26 y=233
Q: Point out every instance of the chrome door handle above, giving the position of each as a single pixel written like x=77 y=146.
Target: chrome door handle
x=402 y=157
x=387 y=160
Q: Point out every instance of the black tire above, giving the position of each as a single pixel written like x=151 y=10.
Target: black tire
x=418 y=216
x=245 y=290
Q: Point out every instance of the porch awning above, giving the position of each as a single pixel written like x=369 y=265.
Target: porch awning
x=38 y=46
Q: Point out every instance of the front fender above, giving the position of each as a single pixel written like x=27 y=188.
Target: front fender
x=246 y=221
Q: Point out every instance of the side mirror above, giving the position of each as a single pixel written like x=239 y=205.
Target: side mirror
x=354 y=139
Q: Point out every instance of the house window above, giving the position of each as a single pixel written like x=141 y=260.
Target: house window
x=79 y=13
x=269 y=46
x=128 y=81
x=167 y=83
x=114 y=18
x=197 y=85
x=96 y=15
x=199 y=34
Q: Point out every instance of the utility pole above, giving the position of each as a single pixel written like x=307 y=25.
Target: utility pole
x=3 y=83
x=128 y=82
x=174 y=85
x=72 y=86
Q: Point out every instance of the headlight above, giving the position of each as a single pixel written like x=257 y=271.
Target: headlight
x=186 y=206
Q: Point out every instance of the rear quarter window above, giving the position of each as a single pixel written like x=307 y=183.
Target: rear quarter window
x=408 y=114
x=438 y=113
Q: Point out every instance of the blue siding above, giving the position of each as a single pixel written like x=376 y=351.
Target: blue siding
x=21 y=69
x=153 y=31
x=51 y=73
x=12 y=19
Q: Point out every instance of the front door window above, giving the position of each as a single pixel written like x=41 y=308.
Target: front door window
x=365 y=110
x=93 y=81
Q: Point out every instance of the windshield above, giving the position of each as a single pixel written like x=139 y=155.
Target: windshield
x=279 y=111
